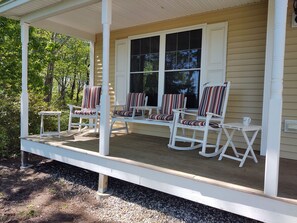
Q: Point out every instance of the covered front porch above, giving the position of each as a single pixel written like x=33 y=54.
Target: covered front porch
x=146 y=160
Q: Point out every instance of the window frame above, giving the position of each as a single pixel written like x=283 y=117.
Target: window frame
x=162 y=51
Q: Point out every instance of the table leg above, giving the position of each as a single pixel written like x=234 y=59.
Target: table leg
x=59 y=128
x=229 y=141
x=249 y=148
x=41 y=126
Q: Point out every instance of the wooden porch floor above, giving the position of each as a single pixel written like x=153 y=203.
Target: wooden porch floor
x=152 y=152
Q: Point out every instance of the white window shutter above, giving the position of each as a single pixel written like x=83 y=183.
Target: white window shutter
x=216 y=52
x=121 y=71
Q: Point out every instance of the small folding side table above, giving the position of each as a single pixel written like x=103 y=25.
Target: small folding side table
x=49 y=113
x=243 y=129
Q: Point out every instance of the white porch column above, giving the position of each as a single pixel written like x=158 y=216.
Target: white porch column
x=92 y=74
x=275 y=103
x=267 y=76
x=24 y=96
x=92 y=63
x=105 y=99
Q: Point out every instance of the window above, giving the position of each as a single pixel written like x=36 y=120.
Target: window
x=182 y=65
x=144 y=67
x=175 y=61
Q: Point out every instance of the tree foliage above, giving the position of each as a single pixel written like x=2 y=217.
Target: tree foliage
x=57 y=71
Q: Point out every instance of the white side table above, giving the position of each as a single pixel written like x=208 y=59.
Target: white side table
x=49 y=113
x=243 y=129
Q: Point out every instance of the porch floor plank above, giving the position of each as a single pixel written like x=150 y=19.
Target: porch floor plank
x=153 y=151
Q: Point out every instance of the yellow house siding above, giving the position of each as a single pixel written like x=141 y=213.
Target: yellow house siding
x=289 y=140
x=245 y=59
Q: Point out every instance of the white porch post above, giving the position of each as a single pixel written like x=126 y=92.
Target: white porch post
x=275 y=103
x=92 y=63
x=105 y=99
x=24 y=95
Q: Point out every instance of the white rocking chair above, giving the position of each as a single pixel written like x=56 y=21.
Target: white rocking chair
x=211 y=114
x=90 y=108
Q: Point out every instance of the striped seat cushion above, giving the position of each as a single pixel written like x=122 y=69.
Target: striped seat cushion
x=197 y=123
x=85 y=112
x=212 y=100
x=91 y=97
x=172 y=101
x=135 y=99
x=163 y=117
x=125 y=113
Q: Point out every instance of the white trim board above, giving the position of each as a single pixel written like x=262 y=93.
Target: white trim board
x=247 y=204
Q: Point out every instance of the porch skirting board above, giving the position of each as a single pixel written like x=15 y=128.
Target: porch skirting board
x=250 y=204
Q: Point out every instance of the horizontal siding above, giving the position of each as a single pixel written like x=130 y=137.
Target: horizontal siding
x=289 y=140
x=245 y=60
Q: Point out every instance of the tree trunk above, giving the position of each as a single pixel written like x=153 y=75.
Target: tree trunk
x=48 y=83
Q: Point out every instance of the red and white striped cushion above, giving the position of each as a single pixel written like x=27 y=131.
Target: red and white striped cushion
x=85 y=112
x=135 y=99
x=163 y=117
x=212 y=100
x=91 y=97
x=125 y=113
x=197 y=123
x=171 y=101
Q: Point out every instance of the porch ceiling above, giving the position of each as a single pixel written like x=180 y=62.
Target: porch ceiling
x=83 y=19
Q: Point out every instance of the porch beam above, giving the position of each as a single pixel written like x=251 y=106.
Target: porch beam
x=24 y=95
x=64 y=6
x=105 y=99
x=275 y=103
x=12 y=5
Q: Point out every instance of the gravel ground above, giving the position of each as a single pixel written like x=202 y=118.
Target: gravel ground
x=127 y=202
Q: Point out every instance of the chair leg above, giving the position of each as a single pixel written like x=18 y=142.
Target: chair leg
x=80 y=121
x=95 y=124
x=193 y=137
x=111 y=125
x=218 y=141
x=126 y=126
x=204 y=143
x=69 y=122
x=172 y=139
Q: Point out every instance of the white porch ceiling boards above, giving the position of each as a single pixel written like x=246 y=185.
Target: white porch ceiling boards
x=125 y=13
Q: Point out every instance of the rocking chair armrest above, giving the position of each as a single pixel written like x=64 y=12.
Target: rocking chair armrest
x=213 y=115
x=98 y=107
x=115 y=107
x=71 y=107
x=182 y=111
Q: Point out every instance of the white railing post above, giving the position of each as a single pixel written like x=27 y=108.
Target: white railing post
x=24 y=96
x=105 y=99
x=275 y=103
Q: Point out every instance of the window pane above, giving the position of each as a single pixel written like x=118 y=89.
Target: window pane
x=195 y=38
x=135 y=62
x=135 y=47
x=171 y=42
x=145 y=46
x=182 y=59
x=183 y=42
x=145 y=54
x=194 y=58
x=183 y=50
x=170 y=60
x=145 y=82
x=184 y=82
x=155 y=44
